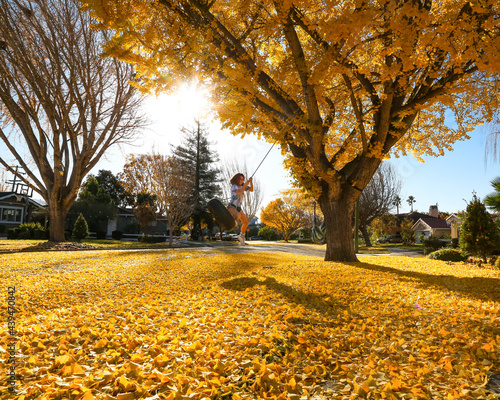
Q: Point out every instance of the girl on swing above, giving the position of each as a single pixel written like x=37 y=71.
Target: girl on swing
x=238 y=188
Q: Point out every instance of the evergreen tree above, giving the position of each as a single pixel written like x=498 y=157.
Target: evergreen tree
x=196 y=151
x=478 y=233
x=80 y=229
x=112 y=185
x=95 y=204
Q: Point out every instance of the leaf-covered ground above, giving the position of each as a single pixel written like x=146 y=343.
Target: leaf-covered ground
x=201 y=324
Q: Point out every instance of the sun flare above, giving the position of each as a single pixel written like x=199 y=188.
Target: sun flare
x=181 y=107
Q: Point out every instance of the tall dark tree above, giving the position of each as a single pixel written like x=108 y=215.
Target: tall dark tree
x=95 y=204
x=196 y=151
x=114 y=187
x=378 y=197
x=479 y=235
x=62 y=104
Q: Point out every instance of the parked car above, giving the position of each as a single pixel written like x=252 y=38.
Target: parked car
x=255 y=238
x=382 y=240
x=397 y=238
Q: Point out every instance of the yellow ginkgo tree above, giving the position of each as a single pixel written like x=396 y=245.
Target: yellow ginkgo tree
x=288 y=213
x=338 y=84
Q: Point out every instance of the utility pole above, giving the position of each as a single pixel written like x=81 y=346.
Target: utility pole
x=18 y=184
x=13 y=181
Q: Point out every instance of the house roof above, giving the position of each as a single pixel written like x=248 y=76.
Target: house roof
x=453 y=218
x=125 y=212
x=414 y=216
x=433 y=223
x=19 y=197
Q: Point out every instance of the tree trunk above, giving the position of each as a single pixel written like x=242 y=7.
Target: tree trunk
x=57 y=221
x=170 y=232
x=366 y=236
x=338 y=215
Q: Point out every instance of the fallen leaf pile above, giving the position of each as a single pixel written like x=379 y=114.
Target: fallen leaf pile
x=202 y=324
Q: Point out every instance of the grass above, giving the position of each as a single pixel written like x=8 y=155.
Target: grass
x=409 y=247
x=18 y=245
x=205 y=324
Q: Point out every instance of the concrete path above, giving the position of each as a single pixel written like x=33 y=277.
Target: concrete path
x=303 y=249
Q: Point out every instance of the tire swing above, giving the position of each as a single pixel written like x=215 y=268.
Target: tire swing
x=221 y=214
x=219 y=211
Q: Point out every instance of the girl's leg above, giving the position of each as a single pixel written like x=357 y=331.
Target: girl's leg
x=245 y=222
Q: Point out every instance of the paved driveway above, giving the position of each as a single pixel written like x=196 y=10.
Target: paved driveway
x=303 y=249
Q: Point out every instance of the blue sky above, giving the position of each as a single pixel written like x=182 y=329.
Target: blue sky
x=449 y=180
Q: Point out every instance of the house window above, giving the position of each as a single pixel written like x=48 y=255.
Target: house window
x=11 y=214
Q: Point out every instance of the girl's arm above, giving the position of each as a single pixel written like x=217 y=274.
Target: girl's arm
x=243 y=188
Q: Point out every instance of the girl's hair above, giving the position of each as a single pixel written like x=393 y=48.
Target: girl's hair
x=234 y=179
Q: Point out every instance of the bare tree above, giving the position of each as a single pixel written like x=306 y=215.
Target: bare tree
x=140 y=175
x=62 y=105
x=175 y=190
x=253 y=200
x=380 y=196
x=170 y=179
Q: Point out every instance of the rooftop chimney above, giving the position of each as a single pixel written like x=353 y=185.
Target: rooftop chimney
x=433 y=211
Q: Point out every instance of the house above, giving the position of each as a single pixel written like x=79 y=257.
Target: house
x=428 y=225
x=15 y=209
x=126 y=222
x=454 y=222
x=431 y=226
x=123 y=221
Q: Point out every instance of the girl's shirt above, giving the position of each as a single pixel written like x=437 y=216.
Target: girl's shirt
x=236 y=199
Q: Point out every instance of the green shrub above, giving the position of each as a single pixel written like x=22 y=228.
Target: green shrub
x=432 y=243
x=80 y=229
x=29 y=230
x=117 y=235
x=268 y=233
x=39 y=234
x=447 y=255
x=100 y=235
x=12 y=233
x=24 y=234
x=133 y=227
x=3 y=229
x=152 y=239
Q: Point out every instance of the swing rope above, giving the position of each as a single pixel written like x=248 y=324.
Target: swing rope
x=254 y=172
x=256 y=169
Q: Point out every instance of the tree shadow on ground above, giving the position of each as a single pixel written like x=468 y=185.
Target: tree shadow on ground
x=481 y=288
x=312 y=301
